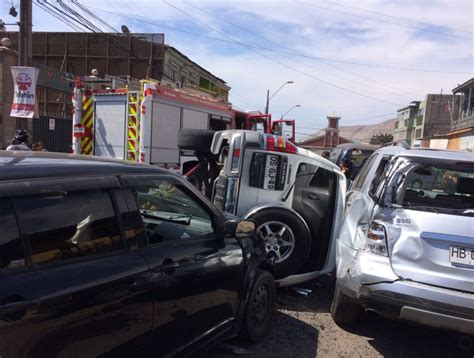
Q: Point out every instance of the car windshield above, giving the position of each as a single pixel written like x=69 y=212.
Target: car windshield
x=439 y=188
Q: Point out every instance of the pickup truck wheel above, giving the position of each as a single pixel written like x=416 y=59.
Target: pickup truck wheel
x=199 y=140
x=286 y=239
x=344 y=309
x=260 y=308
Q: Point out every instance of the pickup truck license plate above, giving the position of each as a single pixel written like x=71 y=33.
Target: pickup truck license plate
x=271 y=170
x=461 y=255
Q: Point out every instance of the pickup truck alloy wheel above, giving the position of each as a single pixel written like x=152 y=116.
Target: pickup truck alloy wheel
x=279 y=239
x=286 y=239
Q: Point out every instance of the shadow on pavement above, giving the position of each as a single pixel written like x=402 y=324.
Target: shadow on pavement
x=318 y=300
x=288 y=337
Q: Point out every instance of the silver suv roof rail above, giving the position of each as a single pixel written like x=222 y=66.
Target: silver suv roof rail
x=400 y=143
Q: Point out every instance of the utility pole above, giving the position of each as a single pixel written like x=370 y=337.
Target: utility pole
x=25 y=40
x=25 y=43
x=268 y=101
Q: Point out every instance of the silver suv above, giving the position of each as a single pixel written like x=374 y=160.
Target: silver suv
x=406 y=248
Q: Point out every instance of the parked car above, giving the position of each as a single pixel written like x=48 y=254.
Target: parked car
x=406 y=247
x=295 y=196
x=104 y=257
x=355 y=153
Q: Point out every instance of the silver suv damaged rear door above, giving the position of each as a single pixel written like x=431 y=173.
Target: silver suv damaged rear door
x=431 y=225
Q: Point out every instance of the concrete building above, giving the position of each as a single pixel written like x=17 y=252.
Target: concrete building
x=180 y=71
x=329 y=139
x=405 y=120
x=435 y=115
x=61 y=56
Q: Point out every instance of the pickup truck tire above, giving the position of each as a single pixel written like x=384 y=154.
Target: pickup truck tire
x=344 y=310
x=199 y=140
x=286 y=238
x=260 y=308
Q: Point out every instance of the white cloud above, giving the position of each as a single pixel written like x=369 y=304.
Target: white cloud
x=326 y=30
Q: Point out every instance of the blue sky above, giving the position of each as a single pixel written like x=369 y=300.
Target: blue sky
x=331 y=49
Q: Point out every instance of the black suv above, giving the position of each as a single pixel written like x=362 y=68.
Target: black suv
x=112 y=258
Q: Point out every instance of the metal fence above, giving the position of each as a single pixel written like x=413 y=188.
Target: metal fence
x=54 y=132
x=136 y=55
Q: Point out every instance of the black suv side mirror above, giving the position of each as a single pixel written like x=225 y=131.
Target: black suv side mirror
x=239 y=228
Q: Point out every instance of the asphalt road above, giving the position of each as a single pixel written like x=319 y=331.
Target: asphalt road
x=302 y=327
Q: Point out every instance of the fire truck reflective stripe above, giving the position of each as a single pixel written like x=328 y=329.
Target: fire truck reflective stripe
x=132 y=132
x=133 y=109
x=87 y=121
x=86 y=145
x=133 y=126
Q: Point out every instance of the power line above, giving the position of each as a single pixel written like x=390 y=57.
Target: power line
x=298 y=53
x=81 y=18
x=86 y=10
x=60 y=14
x=60 y=18
x=277 y=61
x=396 y=17
x=409 y=69
x=384 y=21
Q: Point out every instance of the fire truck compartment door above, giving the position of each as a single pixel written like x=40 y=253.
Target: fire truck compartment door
x=195 y=119
x=164 y=133
x=110 y=126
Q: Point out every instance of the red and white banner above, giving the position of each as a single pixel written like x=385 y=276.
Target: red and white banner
x=24 y=94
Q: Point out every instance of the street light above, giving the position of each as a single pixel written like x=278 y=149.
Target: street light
x=270 y=97
x=288 y=111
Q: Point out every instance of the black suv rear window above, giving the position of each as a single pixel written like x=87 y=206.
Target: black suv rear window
x=69 y=224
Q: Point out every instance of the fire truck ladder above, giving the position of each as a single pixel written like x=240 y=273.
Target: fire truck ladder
x=133 y=125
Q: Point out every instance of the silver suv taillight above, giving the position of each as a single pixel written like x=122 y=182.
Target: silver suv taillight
x=377 y=239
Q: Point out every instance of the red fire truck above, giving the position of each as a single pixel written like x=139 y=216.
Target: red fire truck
x=143 y=125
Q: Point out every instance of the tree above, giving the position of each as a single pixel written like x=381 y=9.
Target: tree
x=381 y=138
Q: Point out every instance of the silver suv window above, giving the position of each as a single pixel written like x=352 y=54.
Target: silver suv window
x=437 y=187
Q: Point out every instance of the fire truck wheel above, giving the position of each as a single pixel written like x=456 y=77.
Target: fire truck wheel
x=286 y=239
x=199 y=140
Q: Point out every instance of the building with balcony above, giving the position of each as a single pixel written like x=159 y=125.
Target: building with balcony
x=465 y=118
x=461 y=135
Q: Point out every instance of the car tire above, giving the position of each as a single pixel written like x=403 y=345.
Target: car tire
x=290 y=258
x=344 y=310
x=199 y=140
x=260 y=308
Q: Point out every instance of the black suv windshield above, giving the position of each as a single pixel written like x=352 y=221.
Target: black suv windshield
x=438 y=187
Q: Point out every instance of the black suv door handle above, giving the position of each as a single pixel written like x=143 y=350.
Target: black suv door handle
x=313 y=196
x=16 y=308
x=167 y=268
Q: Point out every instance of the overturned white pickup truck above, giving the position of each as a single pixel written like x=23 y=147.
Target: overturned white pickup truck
x=295 y=196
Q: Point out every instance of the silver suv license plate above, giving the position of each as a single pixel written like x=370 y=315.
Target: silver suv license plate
x=461 y=255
